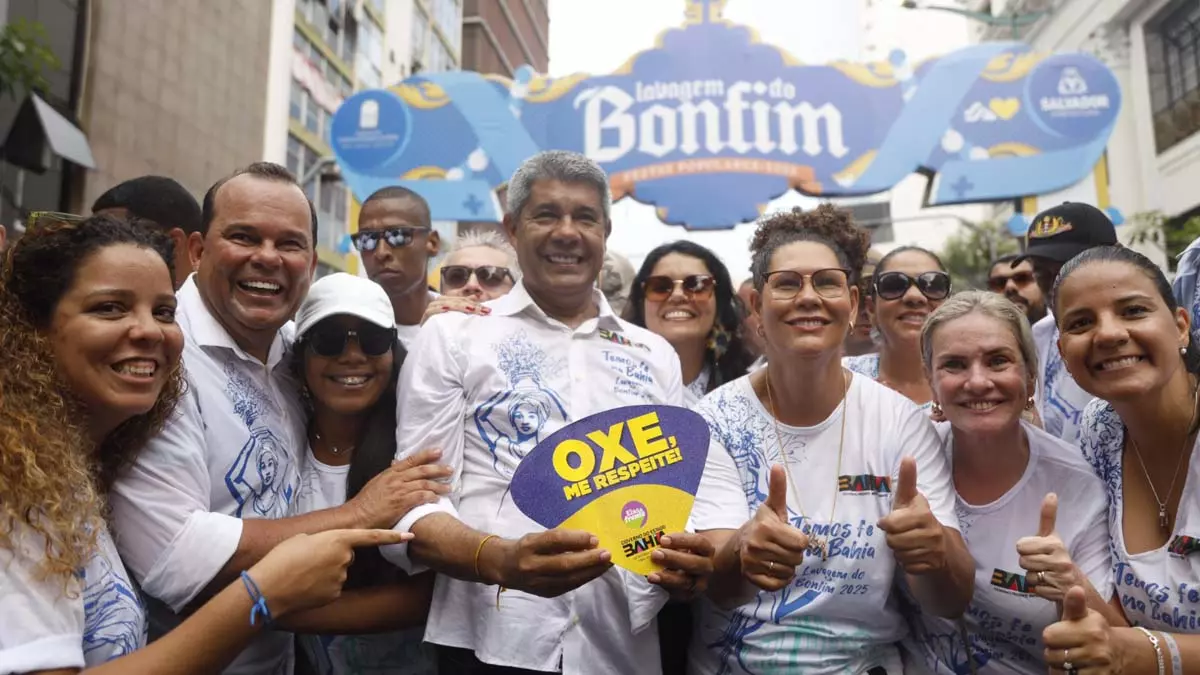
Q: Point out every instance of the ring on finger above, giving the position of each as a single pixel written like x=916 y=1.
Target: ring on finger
x=771 y=566
x=1041 y=578
x=1067 y=666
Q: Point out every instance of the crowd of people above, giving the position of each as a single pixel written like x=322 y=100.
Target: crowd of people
x=210 y=462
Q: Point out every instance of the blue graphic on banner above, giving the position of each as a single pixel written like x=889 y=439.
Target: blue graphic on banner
x=712 y=124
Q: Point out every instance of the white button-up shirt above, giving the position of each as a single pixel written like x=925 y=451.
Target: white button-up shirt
x=486 y=390
x=230 y=451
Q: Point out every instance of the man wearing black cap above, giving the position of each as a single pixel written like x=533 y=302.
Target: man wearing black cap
x=1057 y=235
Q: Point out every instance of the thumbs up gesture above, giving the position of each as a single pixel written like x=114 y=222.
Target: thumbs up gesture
x=769 y=548
x=1083 y=641
x=915 y=536
x=1049 y=570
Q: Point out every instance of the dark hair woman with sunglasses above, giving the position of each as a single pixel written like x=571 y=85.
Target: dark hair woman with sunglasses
x=683 y=292
x=348 y=358
x=845 y=478
x=909 y=283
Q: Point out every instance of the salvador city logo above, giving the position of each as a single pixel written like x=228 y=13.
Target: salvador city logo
x=710 y=124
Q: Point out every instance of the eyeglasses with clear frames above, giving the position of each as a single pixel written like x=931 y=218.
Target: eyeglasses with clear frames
x=829 y=283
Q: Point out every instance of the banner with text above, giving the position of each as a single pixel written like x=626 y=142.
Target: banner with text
x=711 y=124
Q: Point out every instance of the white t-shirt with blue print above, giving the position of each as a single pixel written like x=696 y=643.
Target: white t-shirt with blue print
x=838 y=615
x=1158 y=589
x=397 y=652
x=45 y=625
x=1005 y=619
x=1059 y=400
x=867 y=365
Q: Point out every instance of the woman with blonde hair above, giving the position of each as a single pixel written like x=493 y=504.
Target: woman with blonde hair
x=92 y=369
x=1009 y=478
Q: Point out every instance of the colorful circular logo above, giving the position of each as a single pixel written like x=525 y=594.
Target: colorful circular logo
x=634 y=515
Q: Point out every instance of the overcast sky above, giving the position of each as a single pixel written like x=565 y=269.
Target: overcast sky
x=598 y=36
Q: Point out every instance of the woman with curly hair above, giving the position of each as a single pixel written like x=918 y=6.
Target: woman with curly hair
x=92 y=369
x=683 y=292
x=844 y=479
x=908 y=284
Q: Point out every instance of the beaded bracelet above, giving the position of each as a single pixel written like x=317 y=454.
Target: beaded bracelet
x=260 y=602
x=1157 y=649
x=1176 y=657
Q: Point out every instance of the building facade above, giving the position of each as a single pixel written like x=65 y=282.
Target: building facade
x=500 y=36
x=1153 y=47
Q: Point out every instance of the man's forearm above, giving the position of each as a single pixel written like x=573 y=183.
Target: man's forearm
x=948 y=591
x=377 y=609
x=448 y=546
x=260 y=535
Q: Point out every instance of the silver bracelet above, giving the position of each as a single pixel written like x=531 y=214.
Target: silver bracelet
x=1176 y=657
x=1157 y=649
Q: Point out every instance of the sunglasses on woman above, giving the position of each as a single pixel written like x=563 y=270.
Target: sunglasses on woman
x=695 y=287
x=332 y=341
x=488 y=276
x=893 y=285
x=396 y=237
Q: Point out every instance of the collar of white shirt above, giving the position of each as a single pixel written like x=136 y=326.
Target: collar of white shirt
x=518 y=300
x=204 y=330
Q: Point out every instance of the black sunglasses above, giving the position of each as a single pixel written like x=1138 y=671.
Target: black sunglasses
x=489 y=276
x=396 y=237
x=1021 y=279
x=893 y=285
x=332 y=341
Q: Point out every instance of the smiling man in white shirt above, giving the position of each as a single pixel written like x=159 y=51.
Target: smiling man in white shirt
x=486 y=390
x=213 y=492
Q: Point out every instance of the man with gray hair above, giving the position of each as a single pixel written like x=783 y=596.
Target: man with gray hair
x=486 y=390
x=482 y=266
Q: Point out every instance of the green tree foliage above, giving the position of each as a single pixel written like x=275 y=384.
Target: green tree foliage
x=969 y=253
x=1168 y=235
x=25 y=57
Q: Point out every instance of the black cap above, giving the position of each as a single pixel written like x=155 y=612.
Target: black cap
x=1064 y=231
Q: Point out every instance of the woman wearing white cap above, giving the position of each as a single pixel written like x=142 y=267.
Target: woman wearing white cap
x=347 y=358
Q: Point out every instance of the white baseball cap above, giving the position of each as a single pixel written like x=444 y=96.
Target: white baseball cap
x=341 y=293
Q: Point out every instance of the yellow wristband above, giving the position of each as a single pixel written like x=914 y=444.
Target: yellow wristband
x=480 y=550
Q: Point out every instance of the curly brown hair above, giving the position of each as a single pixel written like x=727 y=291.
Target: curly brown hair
x=825 y=224
x=52 y=481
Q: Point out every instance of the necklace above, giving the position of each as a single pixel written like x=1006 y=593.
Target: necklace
x=1163 y=520
x=821 y=544
x=332 y=448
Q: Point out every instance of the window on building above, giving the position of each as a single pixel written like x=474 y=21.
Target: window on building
x=1173 y=65
x=448 y=14
x=420 y=34
x=331 y=207
x=312 y=115
x=295 y=155
x=348 y=41
x=296 y=101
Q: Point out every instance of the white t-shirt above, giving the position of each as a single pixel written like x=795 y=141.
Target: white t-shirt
x=408 y=334
x=839 y=615
x=1005 y=620
x=867 y=365
x=45 y=625
x=486 y=390
x=399 y=652
x=1059 y=400
x=1158 y=589
x=230 y=451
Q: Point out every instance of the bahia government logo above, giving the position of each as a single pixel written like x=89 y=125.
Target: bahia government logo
x=634 y=514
